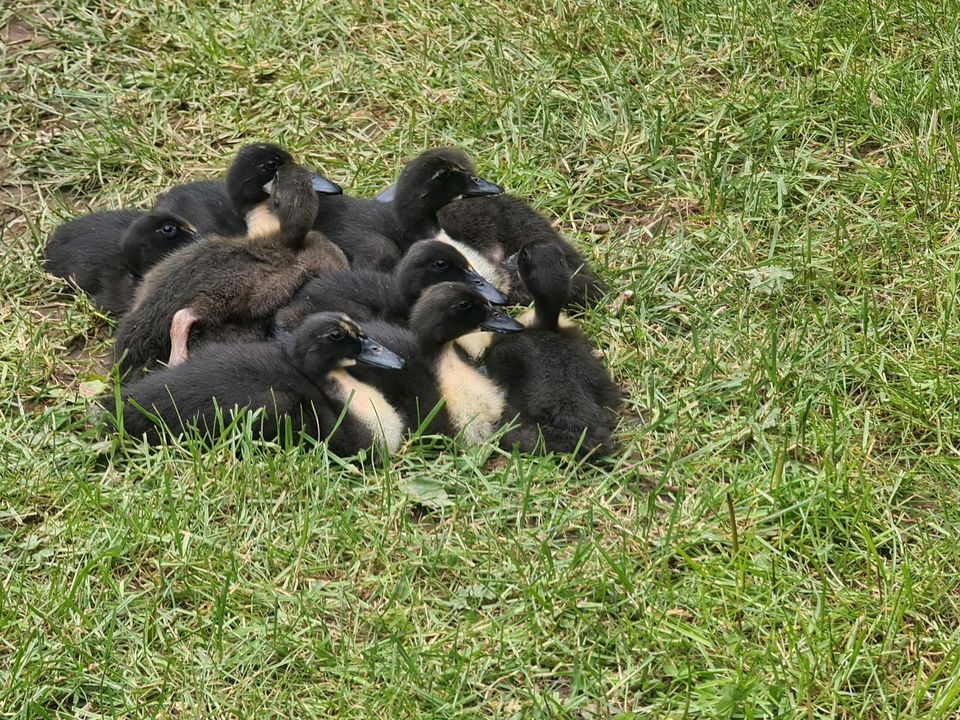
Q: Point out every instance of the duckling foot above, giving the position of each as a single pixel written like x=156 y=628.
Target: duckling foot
x=180 y=326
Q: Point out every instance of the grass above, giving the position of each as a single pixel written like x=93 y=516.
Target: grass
x=776 y=182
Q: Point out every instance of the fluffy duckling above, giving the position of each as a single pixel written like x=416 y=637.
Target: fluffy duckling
x=367 y=294
x=298 y=380
x=549 y=372
x=474 y=404
x=224 y=284
x=228 y=208
x=106 y=253
x=433 y=369
x=497 y=227
x=427 y=183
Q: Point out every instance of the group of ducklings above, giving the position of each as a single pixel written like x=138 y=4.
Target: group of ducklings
x=350 y=320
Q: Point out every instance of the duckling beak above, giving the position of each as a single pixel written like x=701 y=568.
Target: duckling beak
x=478 y=187
x=480 y=284
x=500 y=322
x=375 y=354
x=326 y=187
x=387 y=194
x=511 y=262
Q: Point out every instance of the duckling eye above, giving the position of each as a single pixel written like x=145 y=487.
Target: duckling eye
x=336 y=336
x=168 y=230
x=464 y=304
x=441 y=265
x=272 y=164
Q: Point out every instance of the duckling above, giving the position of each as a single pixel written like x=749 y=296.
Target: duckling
x=106 y=253
x=498 y=226
x=228 y=208
x=549 y=372
x=427 y=183
x=221 y=285
x=367 y=294
x=294 y=380
x=439 y=317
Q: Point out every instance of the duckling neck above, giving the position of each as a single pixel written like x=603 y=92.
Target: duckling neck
x=431 y=339
x=418 y=219
x=546 y=313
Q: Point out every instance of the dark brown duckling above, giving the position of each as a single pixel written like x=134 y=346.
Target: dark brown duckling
x=549 y=371
x=229 y=284
x=105 y=254
x=293 y=381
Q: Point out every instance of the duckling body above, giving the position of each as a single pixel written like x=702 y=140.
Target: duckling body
x=549 y=371
x=368 y=295
x=296 y=381
x=427 y=183
x=228 y=283
x=206 y=205
x=368 y=232
x=106 y=253
x=498 y=226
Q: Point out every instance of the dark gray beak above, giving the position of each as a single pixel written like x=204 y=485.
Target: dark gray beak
x=478 y=187
x=375 y=354
x=326 y=187
x=480 y=284
x=500 y=322
x=511 y=263
x=387 y=194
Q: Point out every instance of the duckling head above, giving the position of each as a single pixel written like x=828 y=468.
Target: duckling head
x=152 y=237
x=293 y=203
x=429 y=262
x=432 y=180
x=253 y=169
x=449 y=310
x=547 y=275
x=544 y=270
x=329 y=340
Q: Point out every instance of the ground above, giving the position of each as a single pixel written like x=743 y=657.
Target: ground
x=776 y=183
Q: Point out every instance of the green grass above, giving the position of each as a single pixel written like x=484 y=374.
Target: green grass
x=779 y=185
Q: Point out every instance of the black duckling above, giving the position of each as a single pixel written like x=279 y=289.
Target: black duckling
x=549 y=372
x=443 y=313
x=221 y=286
x=224 y=208
x=296 y=380
x=474 y=403
x=106 y=253
x=426 y=184
x=367 y=294
x=497 y=227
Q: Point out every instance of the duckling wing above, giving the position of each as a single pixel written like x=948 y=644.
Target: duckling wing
x=362 y=295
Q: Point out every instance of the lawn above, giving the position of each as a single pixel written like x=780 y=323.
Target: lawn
x=778 y=186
